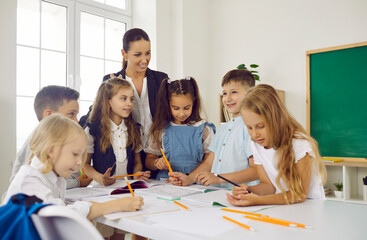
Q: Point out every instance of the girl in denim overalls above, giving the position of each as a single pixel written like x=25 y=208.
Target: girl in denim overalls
x=178 y=129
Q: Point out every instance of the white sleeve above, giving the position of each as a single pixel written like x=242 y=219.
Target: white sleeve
x=154 y=148
x=255 y=154
x=208 y=134
x=300 y=148
x=90 y=141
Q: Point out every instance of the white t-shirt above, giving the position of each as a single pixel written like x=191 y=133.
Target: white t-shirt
x=49 y=187
x=267 y=158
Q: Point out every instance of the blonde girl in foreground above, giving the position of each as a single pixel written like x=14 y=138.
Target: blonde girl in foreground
x=287 y=159
x=58 y=147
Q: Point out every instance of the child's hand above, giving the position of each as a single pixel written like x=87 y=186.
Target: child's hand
x=161 y=164
x=243 y=200
x=84 y=181
x=144 y=177
x=207 y=178
x=106 y=179
x=179 y=179
x=238 y=191
x=131 y=204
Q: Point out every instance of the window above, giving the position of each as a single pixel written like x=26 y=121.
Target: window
x=55 y=48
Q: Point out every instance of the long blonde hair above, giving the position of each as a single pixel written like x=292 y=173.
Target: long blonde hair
x=282 y=129
x=101 y=112
x=53 y=132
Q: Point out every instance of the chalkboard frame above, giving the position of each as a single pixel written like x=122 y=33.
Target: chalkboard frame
x=308 y=85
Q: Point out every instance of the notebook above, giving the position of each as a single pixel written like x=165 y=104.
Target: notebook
x=215 y=198
x=96 y=190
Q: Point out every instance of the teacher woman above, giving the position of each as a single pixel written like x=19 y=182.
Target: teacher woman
x=136 y=54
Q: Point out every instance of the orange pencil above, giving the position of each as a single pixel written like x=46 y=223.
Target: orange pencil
x=181 y=205
x=241 y=224
x=298 y=224
x=237 y=211
x=129 y=175
x=169 y=165
x=272 y=221
x=129 y=186
x=84 y=176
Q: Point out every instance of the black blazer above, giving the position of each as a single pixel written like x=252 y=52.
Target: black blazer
x=154 y=79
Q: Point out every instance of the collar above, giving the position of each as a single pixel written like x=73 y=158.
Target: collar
x=121 y=127
x=37 y=164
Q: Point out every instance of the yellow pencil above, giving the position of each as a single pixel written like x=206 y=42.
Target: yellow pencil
x=241 y=224
x=181 y=205
x=298 y=224
x=169 y=165
x=272 y=221
x=242 y=212
x=129 y=186
x=84 y=176
x=129 y=175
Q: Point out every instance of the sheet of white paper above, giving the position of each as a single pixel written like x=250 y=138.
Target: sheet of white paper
x=152 y=205
x=203 y=222
x=210 y=198
x=168 y=191
x=80 y=193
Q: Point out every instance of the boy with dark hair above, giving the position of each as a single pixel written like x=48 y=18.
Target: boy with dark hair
x=230 y=155
x=49 y=100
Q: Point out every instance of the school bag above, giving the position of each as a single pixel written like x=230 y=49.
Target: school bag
x=15 y=217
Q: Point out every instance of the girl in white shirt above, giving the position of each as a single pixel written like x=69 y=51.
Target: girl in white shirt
x=287 y=159
x=58 y=147
x=114 y=143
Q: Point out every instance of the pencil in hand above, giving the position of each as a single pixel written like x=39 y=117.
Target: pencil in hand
x=165 y=158
x=129 y=186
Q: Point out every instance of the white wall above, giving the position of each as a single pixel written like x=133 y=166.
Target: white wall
x=218 y=35
x=7 y=90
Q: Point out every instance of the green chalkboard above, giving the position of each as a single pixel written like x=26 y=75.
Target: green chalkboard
x=338 y=100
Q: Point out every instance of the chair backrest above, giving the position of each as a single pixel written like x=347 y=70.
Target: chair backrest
x=60 y=222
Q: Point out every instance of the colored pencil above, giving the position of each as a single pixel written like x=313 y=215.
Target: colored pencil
x=84 y=176
x=225 y=179
x=181 y=205
x=169 y=165
x=272 y=221
x=242 y=212
x=129 y=175
x=298 y=224
x=241 y=224
x=129 y=186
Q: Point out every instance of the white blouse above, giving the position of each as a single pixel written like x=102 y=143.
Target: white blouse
x=119 y=137
x=49 y=187
x=141 y=111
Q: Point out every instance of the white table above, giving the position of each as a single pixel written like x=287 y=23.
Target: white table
x=328 y=219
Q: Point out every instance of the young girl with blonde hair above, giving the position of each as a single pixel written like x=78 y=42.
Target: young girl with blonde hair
x=287 y=159
x=178 y=129
x=58 y=147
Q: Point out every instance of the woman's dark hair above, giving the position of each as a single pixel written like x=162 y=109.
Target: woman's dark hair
x=132 y=35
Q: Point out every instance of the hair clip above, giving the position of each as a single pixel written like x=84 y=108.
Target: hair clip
x=188 y=78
